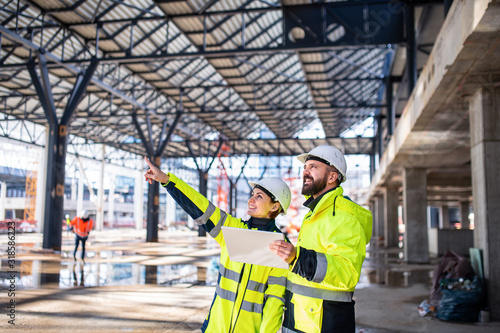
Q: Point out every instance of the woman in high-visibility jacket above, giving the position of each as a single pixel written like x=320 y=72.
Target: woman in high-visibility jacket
x=248 y=298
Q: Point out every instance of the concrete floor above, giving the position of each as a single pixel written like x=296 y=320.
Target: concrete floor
x=127 y=285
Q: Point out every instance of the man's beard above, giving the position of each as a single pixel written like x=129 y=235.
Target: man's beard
x=315 y=186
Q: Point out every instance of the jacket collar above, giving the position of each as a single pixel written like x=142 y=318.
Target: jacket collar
x=261 y=224
x=311 y=202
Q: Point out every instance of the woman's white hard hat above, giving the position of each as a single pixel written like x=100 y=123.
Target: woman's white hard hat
x=278 y=188
x=331 y=155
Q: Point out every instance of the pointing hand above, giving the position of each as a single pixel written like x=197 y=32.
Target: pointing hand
x=153 y=173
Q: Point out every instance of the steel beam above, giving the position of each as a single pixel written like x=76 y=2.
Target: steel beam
x=154 y=156
x=29 y=45
x=56 y=147
x=203 y=173
x=372 y=23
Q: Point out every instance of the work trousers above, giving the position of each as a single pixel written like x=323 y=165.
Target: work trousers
x=79 y=239
x=338 y=317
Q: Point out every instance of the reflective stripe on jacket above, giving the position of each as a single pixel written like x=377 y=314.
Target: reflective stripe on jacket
x=337 y=230
x=248 y=298
x=81 y=227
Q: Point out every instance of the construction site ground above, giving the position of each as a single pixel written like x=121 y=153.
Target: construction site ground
x=128 y=285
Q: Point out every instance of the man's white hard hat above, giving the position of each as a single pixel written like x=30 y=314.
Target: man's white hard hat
x=330 y=155
x=278 y=188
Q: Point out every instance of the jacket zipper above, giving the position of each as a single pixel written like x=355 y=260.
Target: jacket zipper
x=231 y=328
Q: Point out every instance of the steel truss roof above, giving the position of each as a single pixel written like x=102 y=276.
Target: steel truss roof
x=188 y=74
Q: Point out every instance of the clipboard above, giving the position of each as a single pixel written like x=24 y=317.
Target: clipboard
x=252 y=246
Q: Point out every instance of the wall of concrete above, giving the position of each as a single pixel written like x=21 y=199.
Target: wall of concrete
x=457 y=240
x=391 y=203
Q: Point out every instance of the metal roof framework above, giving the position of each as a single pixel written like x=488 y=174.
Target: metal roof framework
x=180 y=78
x=232 y=69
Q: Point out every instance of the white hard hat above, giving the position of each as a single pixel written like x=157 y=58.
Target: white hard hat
x=278 y=188
x=84 y=214
x=330 y=155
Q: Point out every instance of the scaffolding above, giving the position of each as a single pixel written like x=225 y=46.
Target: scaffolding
x=31 y=181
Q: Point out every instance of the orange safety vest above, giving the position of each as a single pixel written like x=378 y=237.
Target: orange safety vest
x=81 y=227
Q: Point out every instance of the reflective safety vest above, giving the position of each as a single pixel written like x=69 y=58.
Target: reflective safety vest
x=81 y=227
x=248 y=298
x=338 y=230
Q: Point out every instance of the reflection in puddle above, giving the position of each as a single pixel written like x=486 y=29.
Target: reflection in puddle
x=387 y=267
x=68 y=274
x=393 y=277
x=379 y=268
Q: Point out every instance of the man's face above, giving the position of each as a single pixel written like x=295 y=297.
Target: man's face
x=315 y=177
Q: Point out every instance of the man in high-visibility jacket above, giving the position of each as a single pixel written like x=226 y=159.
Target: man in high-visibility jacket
x=325 y=266
x=81 y=227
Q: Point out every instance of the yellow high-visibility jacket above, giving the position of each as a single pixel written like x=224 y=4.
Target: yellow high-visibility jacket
x=248 y=298
x=337 y=231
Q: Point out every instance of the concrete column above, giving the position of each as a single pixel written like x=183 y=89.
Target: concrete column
x=79 y=196
x=371 y=207
x=3 y=197
x=100 y=194
x=484 y=113
x=416 y=242
x=139 y=200
x=379 y=216
x=444 y=217
x=170 y=211
x=40 y=189
x=464 y=214
x=111 y=201
x=74 y=186
x=432 y=229
x=391 y=228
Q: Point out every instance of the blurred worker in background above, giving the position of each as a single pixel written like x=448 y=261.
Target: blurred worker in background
x=68 y=226
x=81 y=227
x=248 y=298
x=325 y=266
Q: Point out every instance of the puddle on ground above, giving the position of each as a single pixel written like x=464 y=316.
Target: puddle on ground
x=159 y=266
x=389 y=268
x=379 y=268
x=33 y=274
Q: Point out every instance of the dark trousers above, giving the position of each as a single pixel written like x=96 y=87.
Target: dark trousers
x=338 y=317
x=79 y=239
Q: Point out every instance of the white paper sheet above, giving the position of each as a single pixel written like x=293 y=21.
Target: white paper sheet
x=252 y=246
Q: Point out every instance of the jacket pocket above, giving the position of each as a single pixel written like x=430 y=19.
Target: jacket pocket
x=308 y=313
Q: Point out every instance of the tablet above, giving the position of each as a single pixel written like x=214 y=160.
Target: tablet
x=252 y=246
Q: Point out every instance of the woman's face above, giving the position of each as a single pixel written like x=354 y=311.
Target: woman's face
x=260 y=204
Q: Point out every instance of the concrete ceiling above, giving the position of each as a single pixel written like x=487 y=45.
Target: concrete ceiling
x=433 y=131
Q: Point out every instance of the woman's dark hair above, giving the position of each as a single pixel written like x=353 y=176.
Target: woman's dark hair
x=274 y=214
